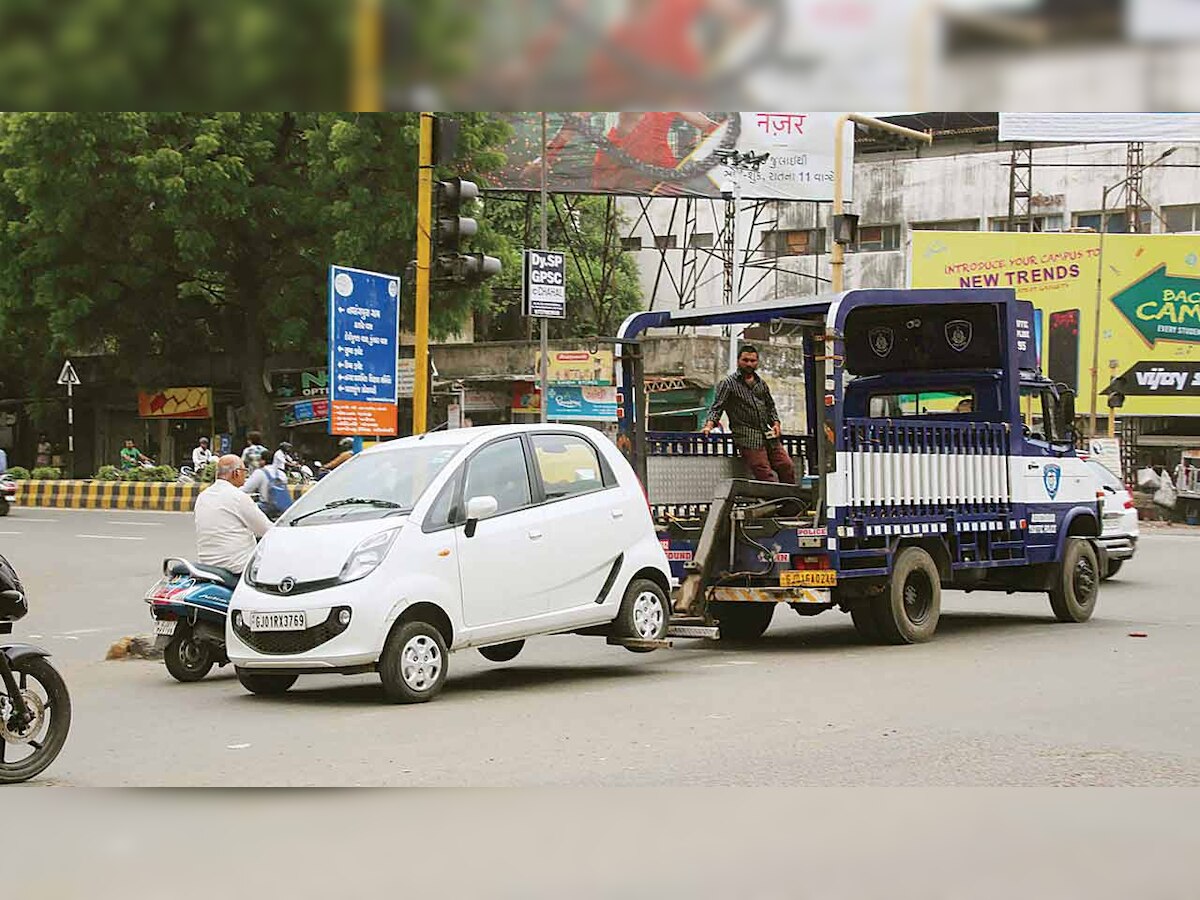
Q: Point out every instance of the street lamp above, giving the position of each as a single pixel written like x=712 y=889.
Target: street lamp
x=843 y=228
x=1100 y=275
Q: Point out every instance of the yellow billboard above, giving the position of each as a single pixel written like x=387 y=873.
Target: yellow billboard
x=1149 y=305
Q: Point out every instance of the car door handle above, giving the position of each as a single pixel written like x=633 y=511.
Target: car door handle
x=535 y=535
x=1032 y=466
x=617 y=513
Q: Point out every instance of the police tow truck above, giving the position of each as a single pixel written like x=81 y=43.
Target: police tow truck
x=938 y=458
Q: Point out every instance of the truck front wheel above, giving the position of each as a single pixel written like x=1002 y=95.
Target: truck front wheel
x=1077 y=582
x=908 y=611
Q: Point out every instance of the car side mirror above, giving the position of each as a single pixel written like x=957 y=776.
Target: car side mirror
x=479 y=508
x=1067 y=405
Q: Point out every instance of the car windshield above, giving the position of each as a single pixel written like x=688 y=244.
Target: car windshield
x=1106 y=478
x=373 y=485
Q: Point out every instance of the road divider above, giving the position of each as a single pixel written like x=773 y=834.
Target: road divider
x=145 y=495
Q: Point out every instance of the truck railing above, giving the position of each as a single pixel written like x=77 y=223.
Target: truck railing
x=901 y=468
x=683 y=469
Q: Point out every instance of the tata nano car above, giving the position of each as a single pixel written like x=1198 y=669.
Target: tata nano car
x=480 y=537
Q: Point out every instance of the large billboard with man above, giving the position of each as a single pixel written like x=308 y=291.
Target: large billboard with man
x=1149 y=305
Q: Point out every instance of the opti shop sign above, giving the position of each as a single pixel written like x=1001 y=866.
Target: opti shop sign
x=545 y=284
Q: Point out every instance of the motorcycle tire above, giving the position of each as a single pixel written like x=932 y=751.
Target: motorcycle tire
x=52 y=737
x=188 y=659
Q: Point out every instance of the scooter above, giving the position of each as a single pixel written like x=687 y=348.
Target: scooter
x=35 y=707
x=189 y=605
x=8 y=494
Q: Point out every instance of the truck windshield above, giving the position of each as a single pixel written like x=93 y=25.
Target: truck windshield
x=1039 y=413
x=942 y=401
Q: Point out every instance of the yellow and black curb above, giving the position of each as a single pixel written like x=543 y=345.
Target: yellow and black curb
x=147 y=495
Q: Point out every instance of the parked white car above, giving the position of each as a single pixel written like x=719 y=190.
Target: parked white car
x=1120 y=525
x=479 y=537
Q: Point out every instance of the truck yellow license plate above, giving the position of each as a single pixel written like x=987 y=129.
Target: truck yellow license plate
x=808 y=578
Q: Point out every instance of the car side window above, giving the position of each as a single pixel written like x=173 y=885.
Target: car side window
x=568 y=465
x=498 y=470
x=442 y=512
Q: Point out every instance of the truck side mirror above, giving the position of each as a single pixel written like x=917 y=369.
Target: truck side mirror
x=1066 y=408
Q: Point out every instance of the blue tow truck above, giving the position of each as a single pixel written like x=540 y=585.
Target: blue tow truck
x=939 y=457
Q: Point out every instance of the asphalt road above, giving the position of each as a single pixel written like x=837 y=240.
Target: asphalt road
x=1003 y=696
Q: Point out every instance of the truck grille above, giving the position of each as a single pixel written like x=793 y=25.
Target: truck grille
x=283 y=643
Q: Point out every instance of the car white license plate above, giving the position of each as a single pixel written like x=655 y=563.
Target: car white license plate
x=164 y=626
x=278 y=621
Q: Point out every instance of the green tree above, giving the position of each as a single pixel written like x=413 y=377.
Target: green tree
x=148 y=233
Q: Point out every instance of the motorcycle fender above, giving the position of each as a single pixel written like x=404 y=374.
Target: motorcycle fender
x=15 y=652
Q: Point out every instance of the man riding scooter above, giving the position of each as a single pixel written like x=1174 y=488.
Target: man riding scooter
x=190 y=602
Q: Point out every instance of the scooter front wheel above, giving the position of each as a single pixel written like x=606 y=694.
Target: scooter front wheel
x=187 y=658
x=26 y=750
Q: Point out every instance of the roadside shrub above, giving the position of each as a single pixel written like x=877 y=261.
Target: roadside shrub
x=18 y=473
x=162 y=473
x=208 y=474
x=158 y=473
x=108 y=473
x=46 y=473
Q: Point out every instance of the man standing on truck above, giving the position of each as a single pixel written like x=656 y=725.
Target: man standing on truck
x=753 y=419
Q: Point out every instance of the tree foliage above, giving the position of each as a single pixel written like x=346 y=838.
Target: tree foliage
x=138 y=234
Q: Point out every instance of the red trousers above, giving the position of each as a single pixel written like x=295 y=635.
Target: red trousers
x=771 y=463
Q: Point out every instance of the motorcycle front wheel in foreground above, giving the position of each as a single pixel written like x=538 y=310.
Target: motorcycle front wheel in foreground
x=28 y=748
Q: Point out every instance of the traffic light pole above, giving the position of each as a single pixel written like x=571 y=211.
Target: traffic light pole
x=424 y=265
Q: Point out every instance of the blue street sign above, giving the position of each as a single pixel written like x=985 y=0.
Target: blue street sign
x=364 y=335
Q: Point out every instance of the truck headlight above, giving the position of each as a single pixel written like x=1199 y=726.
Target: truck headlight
x=367 y=556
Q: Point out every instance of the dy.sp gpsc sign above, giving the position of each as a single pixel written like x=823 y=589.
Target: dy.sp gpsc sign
x=545 y=284
x=364 y=330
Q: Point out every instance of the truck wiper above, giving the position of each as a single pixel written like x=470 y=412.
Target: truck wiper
x=349 y=501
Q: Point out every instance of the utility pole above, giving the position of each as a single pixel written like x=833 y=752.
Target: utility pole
x=424 y=262
x=544 y=372
x=838 y=255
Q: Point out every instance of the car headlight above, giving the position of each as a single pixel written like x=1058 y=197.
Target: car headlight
x=251 y=573
x=367 y=556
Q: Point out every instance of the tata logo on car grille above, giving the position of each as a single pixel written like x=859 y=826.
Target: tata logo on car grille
x=287 y=585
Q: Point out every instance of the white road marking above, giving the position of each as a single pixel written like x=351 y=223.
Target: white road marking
x=27 y=519
x=138 y=524
x=84 y=631
x=10 y=532
x=109 y=537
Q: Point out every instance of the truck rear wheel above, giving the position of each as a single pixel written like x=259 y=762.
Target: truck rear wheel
x=907 y=611
x=742 y=621
x=1077 y=583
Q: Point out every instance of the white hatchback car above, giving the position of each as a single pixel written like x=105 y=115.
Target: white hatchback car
x=1120 y=535
x=480 y=537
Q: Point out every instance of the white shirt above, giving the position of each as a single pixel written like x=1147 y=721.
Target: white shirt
x=201 y=457
x=227 y=525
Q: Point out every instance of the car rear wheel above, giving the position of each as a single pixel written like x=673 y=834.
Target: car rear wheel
x=644 y=614
x=502 y=652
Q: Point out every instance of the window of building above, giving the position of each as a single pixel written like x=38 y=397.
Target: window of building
x=701 y=239
x=631 y=243
x=794 y=242
x=1115 y=221
x=947 y=225
x=665 y=241
x=1052 y=222
x=877 y=237
x=1182 y=218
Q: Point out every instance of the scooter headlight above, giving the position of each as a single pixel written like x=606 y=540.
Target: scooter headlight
x=368 y=555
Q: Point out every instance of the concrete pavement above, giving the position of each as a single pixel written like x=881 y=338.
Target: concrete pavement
x=1003 y=695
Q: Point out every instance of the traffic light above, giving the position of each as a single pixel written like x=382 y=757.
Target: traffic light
x=451 y=229
x=1116 y=392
